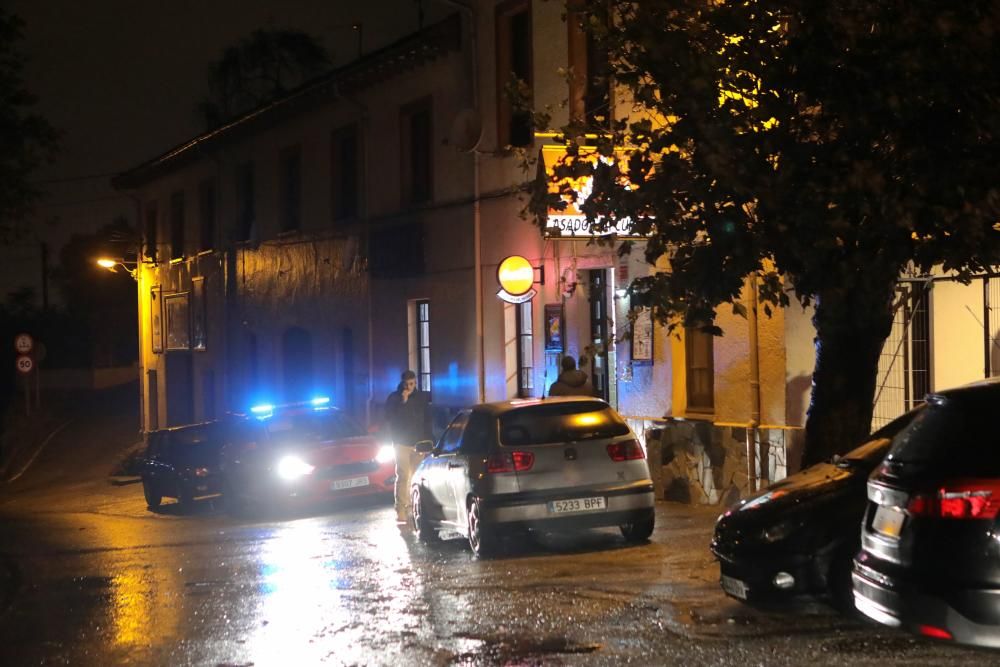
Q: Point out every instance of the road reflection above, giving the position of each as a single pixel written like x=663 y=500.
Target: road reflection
x=316 y=592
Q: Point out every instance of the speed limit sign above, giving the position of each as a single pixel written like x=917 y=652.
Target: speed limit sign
x=24 y=363
x=23 y=343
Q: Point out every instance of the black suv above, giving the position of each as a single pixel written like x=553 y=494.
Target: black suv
x=183 y=462
x=930 y=556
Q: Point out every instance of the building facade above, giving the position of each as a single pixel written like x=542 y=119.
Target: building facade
x=354 y=229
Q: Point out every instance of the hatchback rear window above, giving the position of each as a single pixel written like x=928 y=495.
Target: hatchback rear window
x=955 y=436
x=560 y=422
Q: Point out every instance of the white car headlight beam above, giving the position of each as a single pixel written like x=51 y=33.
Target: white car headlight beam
x=292 y=467
x=385 y=454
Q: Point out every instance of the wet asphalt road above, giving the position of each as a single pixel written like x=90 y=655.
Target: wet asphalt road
x=90 y=577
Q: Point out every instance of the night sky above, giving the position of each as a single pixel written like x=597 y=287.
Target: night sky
x=122 y=79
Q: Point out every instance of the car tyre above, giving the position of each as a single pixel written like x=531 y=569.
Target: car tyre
x=639 y=529
x=152 y=494
x=421 y=524
x=483 y=539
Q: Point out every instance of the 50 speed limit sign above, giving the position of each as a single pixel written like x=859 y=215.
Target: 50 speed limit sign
x=24 y=363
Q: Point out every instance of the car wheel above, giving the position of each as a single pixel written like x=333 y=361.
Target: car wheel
x=421 y=524
x=152 y=495
x=482 y=538
x=638 y=530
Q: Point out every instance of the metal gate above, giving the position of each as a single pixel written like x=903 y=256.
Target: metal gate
x=991 y=332
x=904 y=365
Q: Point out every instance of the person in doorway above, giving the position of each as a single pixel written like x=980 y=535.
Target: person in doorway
x=571 y=382
x=408 y=415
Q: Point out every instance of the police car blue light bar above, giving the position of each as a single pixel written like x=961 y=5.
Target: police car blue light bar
x=263 y=410
x=321 y=400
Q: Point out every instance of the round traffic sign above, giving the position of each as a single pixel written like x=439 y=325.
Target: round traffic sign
x=23 y=343
x=24 y=363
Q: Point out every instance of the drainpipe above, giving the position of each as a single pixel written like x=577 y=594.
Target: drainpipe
x=752 y=432
x=365 y=139
x=470 y=11
x=138 y=291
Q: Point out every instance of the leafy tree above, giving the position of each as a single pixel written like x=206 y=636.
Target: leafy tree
x=101 y=304
x=822 y=147
x=26 y=139
x=259 y=69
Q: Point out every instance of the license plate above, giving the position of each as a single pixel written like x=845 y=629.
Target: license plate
x=734 y=587
x=577 y=505
x=349 y=483
x=888 y=521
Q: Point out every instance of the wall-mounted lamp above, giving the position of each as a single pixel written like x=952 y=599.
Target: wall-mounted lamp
x=111 y=265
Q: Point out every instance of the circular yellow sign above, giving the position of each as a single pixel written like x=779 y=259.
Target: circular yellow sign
x=515 y=275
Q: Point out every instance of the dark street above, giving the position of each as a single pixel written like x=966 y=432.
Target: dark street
x=91 y=577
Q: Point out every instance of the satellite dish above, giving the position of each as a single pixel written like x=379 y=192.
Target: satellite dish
x=466 y=130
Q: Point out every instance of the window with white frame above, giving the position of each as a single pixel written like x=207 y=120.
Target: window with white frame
x=423 y=344
x=519 y=349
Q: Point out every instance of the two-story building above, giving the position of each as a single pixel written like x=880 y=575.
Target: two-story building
x=354 y=228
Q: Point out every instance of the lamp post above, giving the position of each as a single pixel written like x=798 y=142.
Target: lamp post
x=111 y=265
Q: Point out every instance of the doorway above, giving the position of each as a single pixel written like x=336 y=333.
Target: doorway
x=297 y=359
x=601 y=335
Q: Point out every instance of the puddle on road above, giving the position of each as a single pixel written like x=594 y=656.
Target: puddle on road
x=517 y=652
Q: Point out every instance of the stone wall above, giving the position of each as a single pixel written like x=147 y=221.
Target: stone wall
x=706 y=463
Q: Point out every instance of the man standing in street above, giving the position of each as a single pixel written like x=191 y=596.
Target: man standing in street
x=409 y=417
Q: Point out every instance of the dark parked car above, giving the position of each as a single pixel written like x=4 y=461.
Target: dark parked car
x=795 y=540
x=930 y=558
x=303 y=452
x=182 y=462
x=565 y=463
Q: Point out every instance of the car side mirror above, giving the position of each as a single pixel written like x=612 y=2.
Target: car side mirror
x=424 y=446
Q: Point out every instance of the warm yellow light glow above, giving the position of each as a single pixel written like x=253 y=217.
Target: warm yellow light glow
x=587 y=419
x=106 y=263
x=516 y=275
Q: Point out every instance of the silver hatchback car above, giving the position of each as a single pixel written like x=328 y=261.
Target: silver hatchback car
x=561 y=463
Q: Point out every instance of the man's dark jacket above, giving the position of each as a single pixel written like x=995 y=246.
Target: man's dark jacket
x=409 y=421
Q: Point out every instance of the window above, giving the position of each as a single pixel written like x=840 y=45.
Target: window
x=513 y=35
x=177 y=225
x=452 y=437
x=345 y=172
x=700 y=370
x=424 y=345
x=590 y=88
x=246 y=200
x=151 y=230
x=206 y=214
x=416 y=152
x=525 y=355
x=290 y=188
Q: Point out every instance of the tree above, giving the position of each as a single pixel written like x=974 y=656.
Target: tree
x=822 y=147
x=102 y=305
x=259 y=69
x=26 y=139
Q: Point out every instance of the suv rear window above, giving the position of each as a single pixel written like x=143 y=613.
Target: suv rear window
x=956 y=437
x=560 y=422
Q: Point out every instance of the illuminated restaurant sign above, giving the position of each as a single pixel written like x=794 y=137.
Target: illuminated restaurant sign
x=516 y=277
x=569 y=222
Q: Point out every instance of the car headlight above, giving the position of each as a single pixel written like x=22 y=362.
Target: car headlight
x=292 y=468
x=385 y=454
x=778 y=531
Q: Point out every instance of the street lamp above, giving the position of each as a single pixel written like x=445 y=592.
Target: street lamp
x=111 y=263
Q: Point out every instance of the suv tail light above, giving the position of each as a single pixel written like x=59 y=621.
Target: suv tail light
x=516 y=461
x=629 y=450
x=960 y=499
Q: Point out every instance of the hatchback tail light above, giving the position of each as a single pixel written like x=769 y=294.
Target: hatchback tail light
x=516 y=461
x=960 y=499
x=628 y=450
